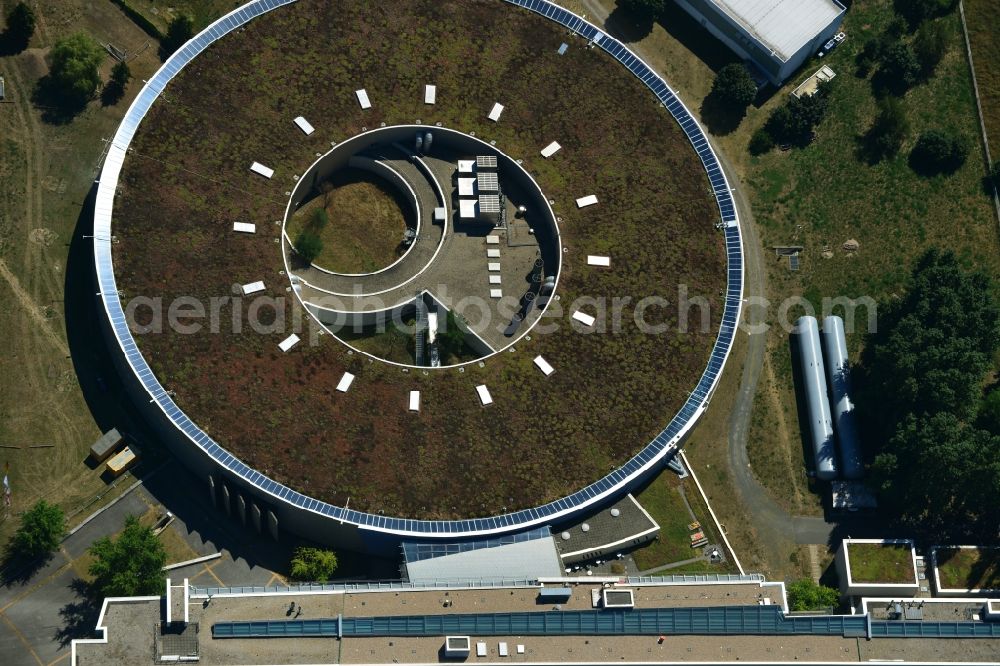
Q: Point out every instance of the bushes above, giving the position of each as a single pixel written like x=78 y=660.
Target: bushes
x=761 y=142
x=309 y=244
x=805 y=595
x=313 y=564
x=734 y=87
x=886 y=135
x=915 y=12
x=930 y=45
x=938 y=152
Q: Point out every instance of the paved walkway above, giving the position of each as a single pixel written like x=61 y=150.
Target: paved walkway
x=39 y=616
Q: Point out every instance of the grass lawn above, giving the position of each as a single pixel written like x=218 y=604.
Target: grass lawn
x=367 y=220
x=664 y=500
x=969 y=568
x=877 y=563
x=983 y=22
x=819 y=197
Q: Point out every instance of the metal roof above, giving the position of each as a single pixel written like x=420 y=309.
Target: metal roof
x=783 y=26
x=528 y=558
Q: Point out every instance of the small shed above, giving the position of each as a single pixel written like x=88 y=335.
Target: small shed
x=106 y=445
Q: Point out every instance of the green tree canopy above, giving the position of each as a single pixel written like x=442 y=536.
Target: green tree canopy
x=890 y=128
x=930 y=45
x=42 y=528
x=804 y=595
x=933 y=346
x=733 y=86
x=794 y=122
x=936 y=473
x=899 y=68
x=937 y=152
x=180 y=30
x=20 y=26
x=129 y=565
x=313 y=564
x=73 y=70
x=308 y=245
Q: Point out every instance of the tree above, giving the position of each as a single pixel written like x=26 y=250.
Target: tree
x=313 y=564
x=898 y=70
x=451 y=341
x=42 y=528
x=932 y=348
x=73 y=71
x=319 y=220
x=308 y=245
x=804 y=595
x=130 y=565
x=761 y=142
x=180 y=30
x=988 y=417
x=938 y=152
x=886 y=135
x=114 y=89
x=733 y=86
x=20 y=26
x=930 y=45
x=793 y=123
x=916 y=12
x=647 y=9
x=934 y=474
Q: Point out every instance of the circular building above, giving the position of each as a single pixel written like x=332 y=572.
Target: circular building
x=433 y=271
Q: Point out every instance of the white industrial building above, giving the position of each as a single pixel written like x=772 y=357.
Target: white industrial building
x=776 y=35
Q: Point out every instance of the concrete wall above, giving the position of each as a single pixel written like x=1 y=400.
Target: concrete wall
x=850 y=588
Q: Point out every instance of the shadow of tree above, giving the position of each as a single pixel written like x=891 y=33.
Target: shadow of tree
x=627 y=26
x=79 y=617
x=720 y=118
x=58 y=108
x=16 y=569
x=11 y=44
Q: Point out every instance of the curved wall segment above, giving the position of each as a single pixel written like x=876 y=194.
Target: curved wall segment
x=302 y=514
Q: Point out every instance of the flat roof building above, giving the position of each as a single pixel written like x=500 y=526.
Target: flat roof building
x=776 y=35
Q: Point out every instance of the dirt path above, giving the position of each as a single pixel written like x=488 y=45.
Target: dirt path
x=32 y=309
x=776 y=529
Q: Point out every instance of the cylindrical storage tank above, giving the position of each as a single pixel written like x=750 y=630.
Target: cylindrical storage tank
x=428 y=138
x=838 y=374
x=817 y=403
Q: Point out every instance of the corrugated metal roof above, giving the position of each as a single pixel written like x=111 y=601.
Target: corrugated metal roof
x=784 y=26
x=536 y=558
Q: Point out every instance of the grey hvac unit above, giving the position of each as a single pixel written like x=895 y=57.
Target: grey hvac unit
x=428 y=138
x=838 y=373
x=817 y=404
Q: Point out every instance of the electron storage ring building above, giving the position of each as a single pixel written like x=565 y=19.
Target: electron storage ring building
x=303 y=515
